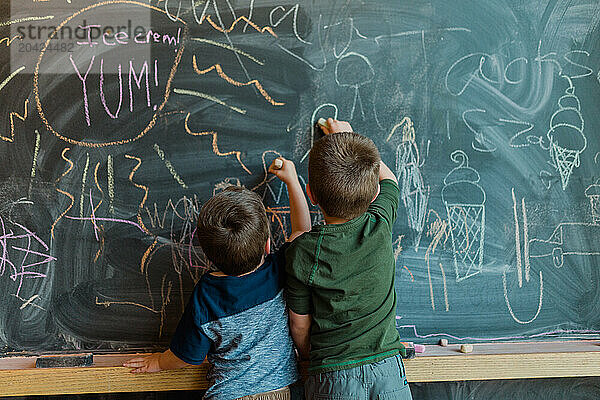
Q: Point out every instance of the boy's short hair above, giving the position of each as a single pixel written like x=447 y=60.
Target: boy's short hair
x=233 y=229
x=343 y=173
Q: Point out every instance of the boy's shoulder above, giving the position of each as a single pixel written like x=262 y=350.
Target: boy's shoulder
x=220 y=296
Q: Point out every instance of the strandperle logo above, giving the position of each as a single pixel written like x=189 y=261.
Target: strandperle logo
x=87 y=30
x=116 y=31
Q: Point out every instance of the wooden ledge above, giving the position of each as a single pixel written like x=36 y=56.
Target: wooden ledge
x=506 y=361
x=19 y=376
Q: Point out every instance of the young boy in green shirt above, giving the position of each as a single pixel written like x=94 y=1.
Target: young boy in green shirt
x=340 y=276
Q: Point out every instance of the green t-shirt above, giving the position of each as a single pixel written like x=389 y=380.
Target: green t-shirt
x=343 y=275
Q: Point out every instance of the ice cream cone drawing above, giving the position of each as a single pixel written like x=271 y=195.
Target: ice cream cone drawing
x=413 y=192
x=567 y=140
x=593 y=193
x=464 y=199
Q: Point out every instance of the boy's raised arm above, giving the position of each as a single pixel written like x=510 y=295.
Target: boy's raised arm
x=299 y=215
x=386 y=173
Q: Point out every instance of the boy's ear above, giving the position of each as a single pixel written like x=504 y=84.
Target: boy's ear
x=268 y=246
x=376 y=194
x=310 y=195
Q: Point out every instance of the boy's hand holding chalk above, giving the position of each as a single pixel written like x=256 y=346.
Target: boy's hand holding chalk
x=284 y=170
x=331 y=125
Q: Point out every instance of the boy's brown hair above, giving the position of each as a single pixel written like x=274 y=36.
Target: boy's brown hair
x=233 y=229
x=343 y=173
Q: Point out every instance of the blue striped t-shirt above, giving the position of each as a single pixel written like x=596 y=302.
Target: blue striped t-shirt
x=240 y=324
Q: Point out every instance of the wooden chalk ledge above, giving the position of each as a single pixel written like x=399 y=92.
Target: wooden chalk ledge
x=486 y=361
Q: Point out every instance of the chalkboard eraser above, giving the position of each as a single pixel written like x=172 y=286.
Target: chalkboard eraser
x=466 y=348
x=409 y=350
x=65 y=361
x=443 y=342
x=278 y=163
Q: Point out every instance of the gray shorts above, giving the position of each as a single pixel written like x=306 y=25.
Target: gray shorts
x=383 y=380
x=279 y=394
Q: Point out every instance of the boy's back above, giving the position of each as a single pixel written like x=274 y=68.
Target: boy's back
x=343 y=275
x=236 y=317
x=340 y=283
x=241 y=323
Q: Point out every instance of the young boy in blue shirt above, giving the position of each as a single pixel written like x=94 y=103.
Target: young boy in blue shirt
x=340 y=283
x=236 y=318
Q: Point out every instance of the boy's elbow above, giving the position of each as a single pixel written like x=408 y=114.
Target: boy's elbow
x=299 y=323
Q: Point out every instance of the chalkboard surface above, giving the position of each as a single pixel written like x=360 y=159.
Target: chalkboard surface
x=120 y=118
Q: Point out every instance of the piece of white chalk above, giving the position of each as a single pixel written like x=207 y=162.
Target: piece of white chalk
x=443 y=342
x=419 y=348
x=323 y=122
x=278 y=163
x=466 y=348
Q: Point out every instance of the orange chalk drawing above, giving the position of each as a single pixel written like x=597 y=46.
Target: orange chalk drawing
x=124 y=303
x=242 y=18
x=100 y=248
x=412 y=278
x=215 y=147
x=11 y=117
x=98 y=185
x=94 y=209
x=147 y=254
x=165 y=293
x=276 y=213
x=8 y=40
x=139 y=186
x=275 y=216
x=69 y=195
x=223 y=75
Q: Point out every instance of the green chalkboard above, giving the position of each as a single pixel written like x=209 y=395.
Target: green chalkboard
x=119 y=118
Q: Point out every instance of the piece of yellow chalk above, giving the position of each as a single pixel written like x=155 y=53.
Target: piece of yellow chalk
x=466 y=348
x=278 y=163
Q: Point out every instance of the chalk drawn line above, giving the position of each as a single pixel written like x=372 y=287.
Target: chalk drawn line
x=228 y=79
x=69 y=195
x=238 y=154
x=26 y=19
x=519 y=264
x=229 y=47
x=234 y=23
x=208 y=97
x=139 y=186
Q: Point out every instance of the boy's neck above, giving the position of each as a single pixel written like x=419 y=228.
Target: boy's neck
x=219 y=273
x=334 y=220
